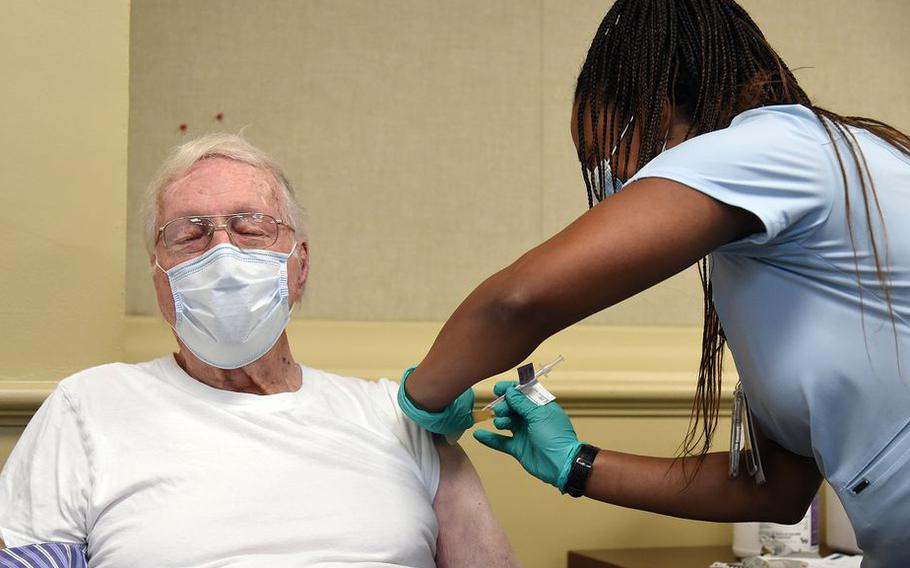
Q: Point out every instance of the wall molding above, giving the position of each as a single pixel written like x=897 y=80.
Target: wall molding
x=609 y=370
x=20 y=399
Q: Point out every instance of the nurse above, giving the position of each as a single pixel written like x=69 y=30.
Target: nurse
x=698 y=145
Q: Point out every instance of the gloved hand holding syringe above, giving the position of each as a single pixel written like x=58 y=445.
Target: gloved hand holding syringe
x=543 y=439
x=528 y=383
x=460 y=415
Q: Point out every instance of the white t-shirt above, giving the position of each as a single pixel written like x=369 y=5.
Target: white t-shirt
x=824 y=374
x=150 y=467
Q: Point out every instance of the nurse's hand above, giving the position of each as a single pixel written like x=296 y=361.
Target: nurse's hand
x=542 y=440
x=451 y=421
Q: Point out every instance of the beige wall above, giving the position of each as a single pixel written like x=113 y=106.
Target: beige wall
x=63 y=114
x=429 y=140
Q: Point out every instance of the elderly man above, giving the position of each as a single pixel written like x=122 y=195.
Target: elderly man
x=229 y=452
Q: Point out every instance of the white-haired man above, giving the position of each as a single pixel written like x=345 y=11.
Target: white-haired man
x=230 y=453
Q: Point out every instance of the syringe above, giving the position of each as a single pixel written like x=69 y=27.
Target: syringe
x=486 y=413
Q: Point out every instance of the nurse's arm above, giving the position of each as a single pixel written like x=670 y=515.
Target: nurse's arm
x=662 y=485
x=644 y=234
x=469 y=534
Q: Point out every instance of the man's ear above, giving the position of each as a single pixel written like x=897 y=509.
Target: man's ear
x=303 y=255
x=153 y=262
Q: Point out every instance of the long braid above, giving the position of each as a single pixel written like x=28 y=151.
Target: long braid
x=709 y=59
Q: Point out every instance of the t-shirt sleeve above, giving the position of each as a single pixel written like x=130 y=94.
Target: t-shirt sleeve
x=44 y=486
x=417 y=441
x=776 y=166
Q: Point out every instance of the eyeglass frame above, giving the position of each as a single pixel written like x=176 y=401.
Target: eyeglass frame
x=221 y=227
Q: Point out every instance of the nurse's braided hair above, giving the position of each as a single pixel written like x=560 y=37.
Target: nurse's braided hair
x=708 y=60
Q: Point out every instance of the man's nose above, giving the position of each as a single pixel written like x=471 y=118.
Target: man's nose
x=220 y=236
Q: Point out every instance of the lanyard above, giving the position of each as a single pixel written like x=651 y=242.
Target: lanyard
x=743 y=440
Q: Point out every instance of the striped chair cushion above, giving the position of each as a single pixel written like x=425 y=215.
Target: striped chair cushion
x=46 y=555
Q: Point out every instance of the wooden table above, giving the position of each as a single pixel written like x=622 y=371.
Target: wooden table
x=676 y=557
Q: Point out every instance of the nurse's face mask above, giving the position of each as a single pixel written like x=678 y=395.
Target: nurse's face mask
x=603 y=183
x=231 y=302
x=607 y=185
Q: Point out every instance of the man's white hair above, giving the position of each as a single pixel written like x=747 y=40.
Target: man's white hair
x=217 y=145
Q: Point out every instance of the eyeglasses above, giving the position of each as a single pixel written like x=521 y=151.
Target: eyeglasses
x=188 y=235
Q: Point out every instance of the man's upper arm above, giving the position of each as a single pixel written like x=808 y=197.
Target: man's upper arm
x=469 y=534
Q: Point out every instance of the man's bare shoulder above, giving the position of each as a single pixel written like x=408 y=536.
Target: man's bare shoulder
x=469 y=533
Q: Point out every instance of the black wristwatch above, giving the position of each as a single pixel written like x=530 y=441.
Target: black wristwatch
x=581 y=470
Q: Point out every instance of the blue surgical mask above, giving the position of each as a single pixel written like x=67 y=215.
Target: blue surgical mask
x=231 y=304
x=611 y=184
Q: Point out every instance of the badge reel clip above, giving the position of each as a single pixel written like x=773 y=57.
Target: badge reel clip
x=743 y=439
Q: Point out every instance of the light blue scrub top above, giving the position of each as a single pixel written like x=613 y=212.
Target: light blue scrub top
x=823 y=371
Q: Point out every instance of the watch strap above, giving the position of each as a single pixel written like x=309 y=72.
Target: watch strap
x=581 y=470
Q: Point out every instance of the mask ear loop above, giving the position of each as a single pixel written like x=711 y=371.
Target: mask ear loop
x=293 y=248
x=158 y=266
x=615 y=149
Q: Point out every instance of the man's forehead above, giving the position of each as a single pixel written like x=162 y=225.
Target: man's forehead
x=219 y=185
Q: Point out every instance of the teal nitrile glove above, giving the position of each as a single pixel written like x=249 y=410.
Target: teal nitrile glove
x=543 y=440
x=451 y=421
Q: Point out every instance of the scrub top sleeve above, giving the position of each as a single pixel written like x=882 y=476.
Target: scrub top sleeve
x=45 y=484
x=776 y=167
